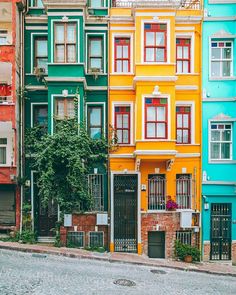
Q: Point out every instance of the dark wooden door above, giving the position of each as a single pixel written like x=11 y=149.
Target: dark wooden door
x=48 y=216
x=156 y=244
x=221 y=239
x=125 y=213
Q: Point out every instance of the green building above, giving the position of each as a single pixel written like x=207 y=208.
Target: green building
x=66 y=58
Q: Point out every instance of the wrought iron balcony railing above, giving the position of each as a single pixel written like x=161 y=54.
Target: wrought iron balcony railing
x=174 y=4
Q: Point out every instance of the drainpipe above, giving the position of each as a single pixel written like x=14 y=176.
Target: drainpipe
x=21 y=108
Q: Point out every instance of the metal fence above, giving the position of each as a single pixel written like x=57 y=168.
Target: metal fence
x=157 y=193
x=184 y=191
x=185 y=237
x=177 y=4
x=96 y=239
x=96 y=191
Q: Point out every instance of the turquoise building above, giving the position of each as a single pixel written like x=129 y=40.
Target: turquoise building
x=66 y=60
x=219 y=130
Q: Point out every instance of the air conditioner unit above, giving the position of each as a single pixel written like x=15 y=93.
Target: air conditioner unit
x=186 y=219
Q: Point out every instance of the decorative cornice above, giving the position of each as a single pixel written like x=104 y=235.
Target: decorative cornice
x=216 y=182
x=155 y=152
x=96 y=88
x=221 y=1
x=217 y=18
x=186 y=87
x=188 y=19
x=121 y=88
x=42 y=19
x=117 y=156
x=188 y=155
x=155 y=78
x=223 y=34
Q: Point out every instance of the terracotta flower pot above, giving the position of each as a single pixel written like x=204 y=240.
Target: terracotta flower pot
x=188 y=258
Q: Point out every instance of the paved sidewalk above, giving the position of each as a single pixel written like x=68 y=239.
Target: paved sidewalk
x=217 y=268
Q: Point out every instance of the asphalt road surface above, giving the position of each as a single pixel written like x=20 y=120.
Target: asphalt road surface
x=38 y=274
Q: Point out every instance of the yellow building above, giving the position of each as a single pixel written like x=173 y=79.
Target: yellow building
x=155 y=114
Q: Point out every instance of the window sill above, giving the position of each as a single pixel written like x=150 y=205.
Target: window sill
x=65 y=63
x=222 y=78
x=155 y=140
x=222 y=161
x=122 y=74
x=95 y=73
x=98 y=8
x=155 y=63
x=125 y=144
x=188 y=74
x=187 y=144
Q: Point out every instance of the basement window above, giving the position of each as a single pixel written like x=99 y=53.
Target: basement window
x=96 y=239
x=75 y=239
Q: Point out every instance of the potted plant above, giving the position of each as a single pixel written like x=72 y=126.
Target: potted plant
x=171 y=205
x=186 y=253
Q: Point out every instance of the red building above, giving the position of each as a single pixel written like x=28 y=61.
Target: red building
x=11 y=12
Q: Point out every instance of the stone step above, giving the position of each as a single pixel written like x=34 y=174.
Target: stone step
x=48 y=240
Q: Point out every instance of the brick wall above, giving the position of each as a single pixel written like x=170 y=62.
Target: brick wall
x=85 y=223
x=206 y=251
x=168 y=222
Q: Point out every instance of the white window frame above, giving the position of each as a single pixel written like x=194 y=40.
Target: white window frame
x=81 y=232
x=168 y=136
x=32 y=111
x=231 y=142
x=125 y=104
x=33 y=36
x=103 y=36
x=190 y=104
x=161 y=21
x=221 y=60
x=4 y=34
x=7 y=132
x=190 y=36
x=123 y=35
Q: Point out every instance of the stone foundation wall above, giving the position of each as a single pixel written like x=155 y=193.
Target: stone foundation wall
x=85 y=223
x=206 y=251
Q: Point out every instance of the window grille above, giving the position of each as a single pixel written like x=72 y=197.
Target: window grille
x=96 y=239
x=183 y=191
x=185 y=237
x=156 y=192
x=96 y=191
x=75 y=239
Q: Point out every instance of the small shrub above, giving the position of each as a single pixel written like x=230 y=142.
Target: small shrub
x=28 y=237
x=183 y=250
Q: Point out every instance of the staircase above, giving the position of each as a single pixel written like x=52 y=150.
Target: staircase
x=46 y=240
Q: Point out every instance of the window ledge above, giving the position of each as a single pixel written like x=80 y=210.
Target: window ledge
x=98 y=8
x=155 y=64
x=222 y=161
x=122 y=74
x=155 y=140
x=95 y=73
x=187 y=74
x=159 y=211
x=65 y=63
x=222 y=78
x=188 y=144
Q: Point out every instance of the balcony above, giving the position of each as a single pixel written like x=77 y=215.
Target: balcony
x=172 y=4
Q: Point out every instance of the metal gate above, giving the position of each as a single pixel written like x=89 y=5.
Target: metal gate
x=221 y=216
x=125 y=213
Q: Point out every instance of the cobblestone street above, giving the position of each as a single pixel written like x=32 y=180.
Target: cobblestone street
x=25 y=273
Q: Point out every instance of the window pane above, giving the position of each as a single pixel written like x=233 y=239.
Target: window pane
x=179 y=136
x=185 y=67
x=151 y=114
x=40 y=115
x=226 y=135
x=225 y=151
x=215 y=53
x=160 y=38
x=70 y=108
x=160 y=54
x=3 y=40
x=125 y=136
x=125 y=66
x=151 y=130
x=185 y=121
x=96 y=63
x=161 y=113
x=71 y=33
x=179 y=52
x=227 y=53
x=226 y=68
x=71 y=53
x=125 y=52
x=95 y=133
x=3 y=155
x=179 y=66
x=95 y=116
x=119 y=135
x=96 y=3
x=119 y=66
x=215 y=68
x=42 y=63
x=179 y=120
x=215 y=135
x=59 y=34
x=161 y=130
x=60 y=53
x=119 y=121
x=150 y=54
x=215 y=150
x=150 y=38
x=125 y=121
x=185 y=136
x=119 y=51
x=185 y=52
x=95 y=48
x=42 y=47
x=60 y=109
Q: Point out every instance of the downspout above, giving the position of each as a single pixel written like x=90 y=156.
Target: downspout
x=21 y=109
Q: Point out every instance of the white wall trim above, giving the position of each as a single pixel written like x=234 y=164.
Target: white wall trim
x=155 y=152
x=155 y=14
x=118 y=156
x=122 y=35
x=193 y=116
x=131 y=105
x=155 y=78
x=216 y=182
x=188 y=155
x=121 y=88
x=186 y=87
x=34 y=28
x=32 y=104
x=184 y=28
x=122 y=28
